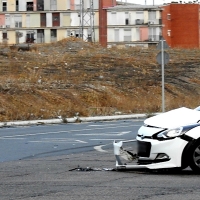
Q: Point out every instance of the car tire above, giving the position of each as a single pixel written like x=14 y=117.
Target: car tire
x=195 y=158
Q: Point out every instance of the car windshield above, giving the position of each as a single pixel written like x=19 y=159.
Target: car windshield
x=197 y=108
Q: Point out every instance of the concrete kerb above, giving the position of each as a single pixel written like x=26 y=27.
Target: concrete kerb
x=72 y=120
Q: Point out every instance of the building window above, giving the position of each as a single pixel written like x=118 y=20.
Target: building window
x=7 y=20
x=40 y=36
x=168 y=16
x=53 y=5
x=127 y=35
x=56 y=19
x=113 y=18
x=169 y=33
x=18 y=21
x=30 y=37
x=17 y=5
x=40 y=5
x=29 y=6
x=4 y=6
x=126 y=18
x=116 y=35
x=4 y=35
x=53 y=35
x=43 y=19
x=152 y=15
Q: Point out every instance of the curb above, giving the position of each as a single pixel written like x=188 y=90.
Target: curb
x=72 y=120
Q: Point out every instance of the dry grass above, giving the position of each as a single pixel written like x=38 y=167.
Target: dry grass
x=71 y=76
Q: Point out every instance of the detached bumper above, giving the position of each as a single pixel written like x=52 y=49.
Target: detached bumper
x=150 y=154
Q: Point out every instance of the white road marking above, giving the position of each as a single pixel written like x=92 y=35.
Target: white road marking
x=50 y=141
x=105 y=134
x=102 y=125
x=66 y=131
x=12 y=138
x=99 y=148
x=57 y=141
x=81 y=141
x=123 y=133
x=108 y=139
x=117 y=124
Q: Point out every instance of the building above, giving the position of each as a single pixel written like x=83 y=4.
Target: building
x=181 y=27
x=42 y=21
x=45 y=21
x=114 y=23
x=134 y=25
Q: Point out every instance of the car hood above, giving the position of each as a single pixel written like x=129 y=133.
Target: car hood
x=174 y=118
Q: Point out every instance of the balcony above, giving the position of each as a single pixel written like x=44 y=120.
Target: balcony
x=154 y=38
x=139 y=21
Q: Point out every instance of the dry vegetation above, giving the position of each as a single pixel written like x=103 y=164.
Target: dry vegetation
x=71 y=76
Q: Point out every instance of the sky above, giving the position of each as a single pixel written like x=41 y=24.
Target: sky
x=150 y=2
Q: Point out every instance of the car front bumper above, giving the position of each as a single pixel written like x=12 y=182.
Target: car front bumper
x=150 y=154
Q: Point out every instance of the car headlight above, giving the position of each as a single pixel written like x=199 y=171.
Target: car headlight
x=171 y=133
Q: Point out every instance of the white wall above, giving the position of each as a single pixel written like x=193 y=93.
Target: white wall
x=116 y=18
x=46 y=4
x=22 y=5
x=49 y=19
x=75 y=20
x=111 y=35
x=1 y=36
x=47 y=35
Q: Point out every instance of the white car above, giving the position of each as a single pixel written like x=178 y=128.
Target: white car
x=167 y=140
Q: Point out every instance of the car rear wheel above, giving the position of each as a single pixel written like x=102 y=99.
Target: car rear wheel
x=195 y=158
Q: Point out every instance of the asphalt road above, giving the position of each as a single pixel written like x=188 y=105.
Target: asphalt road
x=56 y=178
x=27 y=142
x=88 y=175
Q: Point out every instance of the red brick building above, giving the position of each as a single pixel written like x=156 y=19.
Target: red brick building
x=181 y=25
x=103 y=4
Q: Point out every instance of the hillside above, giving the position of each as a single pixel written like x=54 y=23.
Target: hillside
x=71 y=76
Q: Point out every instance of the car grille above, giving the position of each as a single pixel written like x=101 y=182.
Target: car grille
x=143 y=149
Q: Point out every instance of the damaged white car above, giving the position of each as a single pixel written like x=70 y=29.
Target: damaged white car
x=167 y=140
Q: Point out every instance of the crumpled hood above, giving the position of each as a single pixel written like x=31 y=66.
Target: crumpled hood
x=174 y=118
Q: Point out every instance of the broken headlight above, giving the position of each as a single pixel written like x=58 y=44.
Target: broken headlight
x=170 y=133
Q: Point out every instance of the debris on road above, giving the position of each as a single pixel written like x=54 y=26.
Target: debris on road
x=86 y=169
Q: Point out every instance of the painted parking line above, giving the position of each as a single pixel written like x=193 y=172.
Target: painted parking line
x=107 y=139
x=58 y=140
x=104 y=134
x=99 y=148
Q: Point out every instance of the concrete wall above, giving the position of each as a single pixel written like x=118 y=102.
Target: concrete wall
x=61 y=5
x=65 y=19
x=34 y=20
x=46 y=4
x=11 y=5
x=47 y=34
x=61 y=34
x=11 y=37
x=2 y=19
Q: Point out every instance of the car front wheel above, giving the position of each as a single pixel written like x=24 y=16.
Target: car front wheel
x=195 y=158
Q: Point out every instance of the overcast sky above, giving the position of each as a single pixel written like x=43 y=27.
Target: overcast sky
x=150 y=2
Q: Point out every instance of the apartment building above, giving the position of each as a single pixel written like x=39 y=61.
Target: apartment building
x=181 y=27
x=134 y=25
x=41 y=21
x=45 y=21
